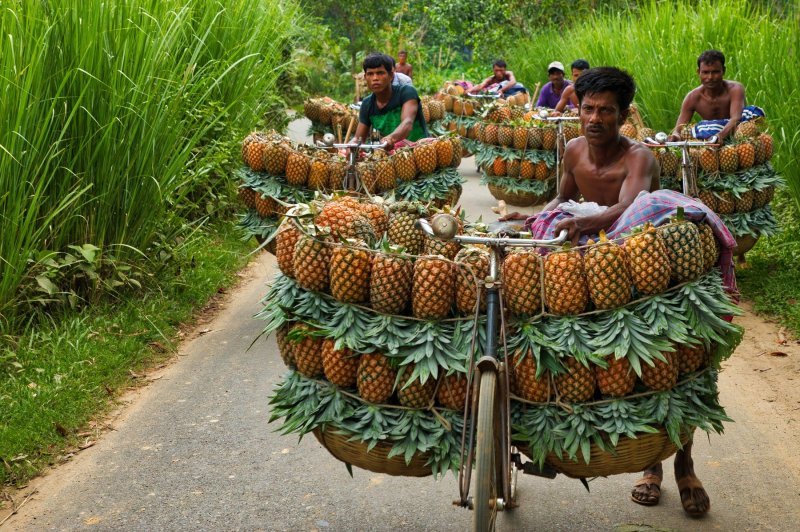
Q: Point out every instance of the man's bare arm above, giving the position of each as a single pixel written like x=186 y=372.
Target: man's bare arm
x=511 y=82
x=566 y=96
x=642 y=169
x=362 y=132
x=687 y=111
x=480 y=86
x=737 y=106
x=407 y=116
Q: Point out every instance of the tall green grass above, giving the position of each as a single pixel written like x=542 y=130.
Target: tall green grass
x=104 y=105
x=659 y=43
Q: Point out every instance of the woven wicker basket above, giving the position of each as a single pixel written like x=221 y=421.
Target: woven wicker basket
x=356 y=453
x=518 y=199
x=630 y=456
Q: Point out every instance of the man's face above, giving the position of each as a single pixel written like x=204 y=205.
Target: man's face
x=378 y=78
x=401 y=58
x=499 y=72
x=576 y=73
x=711 y=74
x=601 y=117
x=556 y=77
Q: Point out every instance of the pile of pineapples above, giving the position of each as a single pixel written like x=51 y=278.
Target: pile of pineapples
x=368 y=305
x=280 y=173
x=735 y=180
x=328 y=116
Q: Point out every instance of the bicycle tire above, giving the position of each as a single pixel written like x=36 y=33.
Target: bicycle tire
x=486 y=486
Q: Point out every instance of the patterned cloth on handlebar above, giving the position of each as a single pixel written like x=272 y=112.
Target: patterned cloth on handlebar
x=705 y=129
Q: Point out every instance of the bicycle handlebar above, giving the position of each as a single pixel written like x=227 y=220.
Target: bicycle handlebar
x=488 y=96
x=443 y=233
x=661 y=142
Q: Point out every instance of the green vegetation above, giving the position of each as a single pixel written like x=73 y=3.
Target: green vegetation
x=109 y=112
x=659 y=45
x=61 y=374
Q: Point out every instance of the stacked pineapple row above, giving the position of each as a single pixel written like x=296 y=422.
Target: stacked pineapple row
x=459 y=104
x=329 y=116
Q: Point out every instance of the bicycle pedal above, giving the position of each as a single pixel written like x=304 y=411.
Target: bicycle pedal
x=532 y=468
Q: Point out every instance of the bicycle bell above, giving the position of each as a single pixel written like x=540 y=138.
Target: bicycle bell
x=543 y=113
x=661 y=137
x=445 y=226
x=328 y=139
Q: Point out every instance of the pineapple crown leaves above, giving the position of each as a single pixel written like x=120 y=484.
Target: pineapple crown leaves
x=626 y=335
x=303 y=331
x=760 y=222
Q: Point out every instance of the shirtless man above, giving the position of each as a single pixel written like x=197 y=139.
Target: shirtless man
x=502 y=79
x=611 y=170
x=716 y=98
x=403 y=66
x=568 y=97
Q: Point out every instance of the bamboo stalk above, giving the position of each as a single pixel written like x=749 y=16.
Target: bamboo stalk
x=535 y=93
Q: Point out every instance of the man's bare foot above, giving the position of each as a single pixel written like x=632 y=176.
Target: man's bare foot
x=647 y=490
x=694 y=498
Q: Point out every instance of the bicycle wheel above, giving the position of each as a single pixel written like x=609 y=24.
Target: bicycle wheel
x=486 y=449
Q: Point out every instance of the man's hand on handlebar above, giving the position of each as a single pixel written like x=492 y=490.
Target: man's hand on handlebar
x=389 y=141
x=513 y=216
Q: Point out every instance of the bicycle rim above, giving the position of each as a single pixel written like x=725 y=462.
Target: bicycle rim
x=486 y=487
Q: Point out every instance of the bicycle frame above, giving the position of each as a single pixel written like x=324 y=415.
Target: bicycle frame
x=499 y=454
x=351 y=180
x=560 y=144
x=688 y=178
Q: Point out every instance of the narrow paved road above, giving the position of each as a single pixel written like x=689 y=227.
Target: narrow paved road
x=194 y=451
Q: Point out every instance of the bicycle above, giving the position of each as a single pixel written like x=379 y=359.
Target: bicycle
x=688 y=177
x=496 y=460
x=351 y=180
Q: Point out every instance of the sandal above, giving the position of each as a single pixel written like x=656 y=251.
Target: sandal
x=653 y=484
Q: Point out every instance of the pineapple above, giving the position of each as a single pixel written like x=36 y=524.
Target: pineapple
x=265 y=205
x=248 y=197
x=345 y=222
x=728 y=159
x=534 y=138
x=607 y=274
x=307 y=350
x=520 y=138
x=452 y=391
x=522 y=282
x=318 y=177
x=726 y=202
x=447 y=248
x=628 y=130
x=767 y=143
x=670 y=164
x=709 y=199
x=644 y=133
x=618 y=379
x=473 y=268
x=571 y=131
x=339 y=365
x=253 y=148
x=375 y=378
x=710 y=246
x=549 y=137
x=337 y=169
x=285 y=346
x=285 y=243
x=458 y=150
x=744 y=203
x=527 y=169
x=391 y=281
x=434 y=288
x=350 y=271
x=367 y=175
x=648 y=260
x=499 y=167
x=540 y=171
x=760 y=198
x=444 y=152
x=490 y=134
x=565 y=286
x=526 y=384
x=747 y=154
x=376 y=215
x=402 y=229
x=577 y=384
x=312 y=256
x=661 y=376
x=297 y=167
x=690 y=357
x=404 y=165
x=708 y=161
x=746 y=130
x=682 y=240
x=385 y=175
x=412 y=393
x=425 y=158
x=505 y=136
x=513 y=168
x=686 y=131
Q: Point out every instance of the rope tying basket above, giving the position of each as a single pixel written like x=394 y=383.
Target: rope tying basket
x=630 y=456
x=377 y=460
